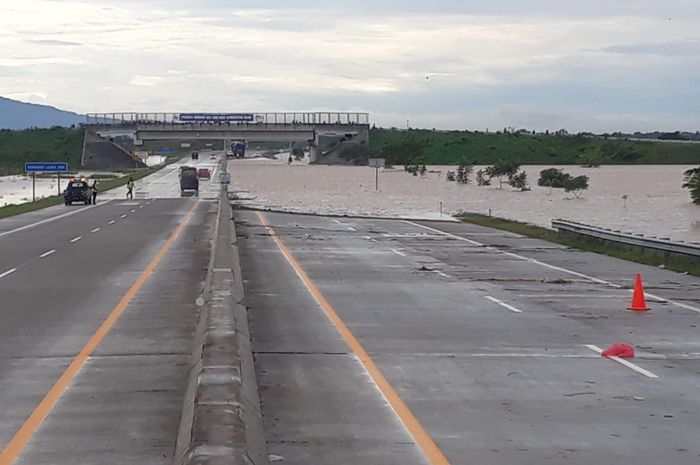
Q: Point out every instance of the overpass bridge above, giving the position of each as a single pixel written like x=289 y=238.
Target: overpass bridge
x=307 y=127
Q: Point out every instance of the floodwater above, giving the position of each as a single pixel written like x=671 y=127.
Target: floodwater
x=18 y=189
x=639 y=199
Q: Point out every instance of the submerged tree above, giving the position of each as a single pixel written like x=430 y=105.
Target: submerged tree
x=576 y=186
x=519 y=181
x=691 y=181
x=503 y=168
x=553 y=177
x=482 y=179
x=464 y=173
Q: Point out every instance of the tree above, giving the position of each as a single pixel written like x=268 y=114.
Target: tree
x=503 y=168
x=576 y=185
x=464 y=172
x=691 y=182
x=482 y=178
x=450 y=176
x=298 y=153
x=519 y=181
x=413 y=169
x=591 y=157
x=553 y=177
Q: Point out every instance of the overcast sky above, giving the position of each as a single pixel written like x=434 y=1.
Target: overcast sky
x=599 y=65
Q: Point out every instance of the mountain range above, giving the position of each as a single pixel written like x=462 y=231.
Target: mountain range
x=21 y=115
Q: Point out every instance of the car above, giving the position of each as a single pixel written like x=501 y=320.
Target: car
x=77 y=191
x=212 y=157
x=204 y=173
x=189 y=183
x=195 y=155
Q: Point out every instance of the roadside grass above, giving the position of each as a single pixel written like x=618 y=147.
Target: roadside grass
x=452 y=147
x=633 y=254
x=102 y=186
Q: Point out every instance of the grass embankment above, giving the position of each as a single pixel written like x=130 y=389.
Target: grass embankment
x=102 y=186
x=55 y=144
x=452 y=147
x=675 y=263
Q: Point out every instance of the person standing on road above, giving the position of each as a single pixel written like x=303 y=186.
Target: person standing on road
x=130 y=189
x=289 y=160
x=94 y=192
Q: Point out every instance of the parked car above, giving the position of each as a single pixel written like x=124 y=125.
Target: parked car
x=77 y=191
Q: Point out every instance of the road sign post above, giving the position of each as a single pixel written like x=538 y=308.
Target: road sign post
x=35 y=167
x=376 y=163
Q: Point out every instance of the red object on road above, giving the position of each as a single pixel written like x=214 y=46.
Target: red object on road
x=204 y=173
x=639 y=303
x=619 y=350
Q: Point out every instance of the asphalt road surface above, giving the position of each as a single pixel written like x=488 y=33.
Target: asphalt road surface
x=487 y=344
x=98 y=312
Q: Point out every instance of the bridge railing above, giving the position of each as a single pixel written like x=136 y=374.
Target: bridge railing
x=132 y=118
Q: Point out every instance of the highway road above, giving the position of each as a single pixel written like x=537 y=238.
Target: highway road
x=98 y=312
x=395 y=342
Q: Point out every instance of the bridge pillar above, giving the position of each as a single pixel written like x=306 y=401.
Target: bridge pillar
x=314 y=152
x=314 y=149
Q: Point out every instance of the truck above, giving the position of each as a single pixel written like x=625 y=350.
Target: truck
x=237 y=150
x=189 y=182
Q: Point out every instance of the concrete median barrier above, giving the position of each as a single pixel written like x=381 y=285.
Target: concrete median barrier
x=221 y=423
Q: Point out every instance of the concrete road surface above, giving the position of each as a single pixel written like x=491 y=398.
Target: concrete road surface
x=165 y=184
x=490 y=341
x=71 y=394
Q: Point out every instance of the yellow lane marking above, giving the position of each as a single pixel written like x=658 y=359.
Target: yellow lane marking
x=432 y=452
x=31 y=424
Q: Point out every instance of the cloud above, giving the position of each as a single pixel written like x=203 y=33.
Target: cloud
x=682 y=47
x=58 y=42
x=507 y=62
x=146 y=81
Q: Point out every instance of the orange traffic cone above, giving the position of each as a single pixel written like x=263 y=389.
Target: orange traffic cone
x=639 y=303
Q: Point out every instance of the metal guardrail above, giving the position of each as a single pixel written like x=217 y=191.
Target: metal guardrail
x=638 y=240
x=133 y=118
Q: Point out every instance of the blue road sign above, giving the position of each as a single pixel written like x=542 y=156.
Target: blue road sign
x=45 y=167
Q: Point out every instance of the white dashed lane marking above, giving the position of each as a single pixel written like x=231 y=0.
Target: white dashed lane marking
x=46 y=254
x=503 y=304
x=75 y=239
x=624 y=362
x=8 y=272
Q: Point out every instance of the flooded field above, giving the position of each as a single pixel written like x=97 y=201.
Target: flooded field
x=18 y=189
x=655 y=203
